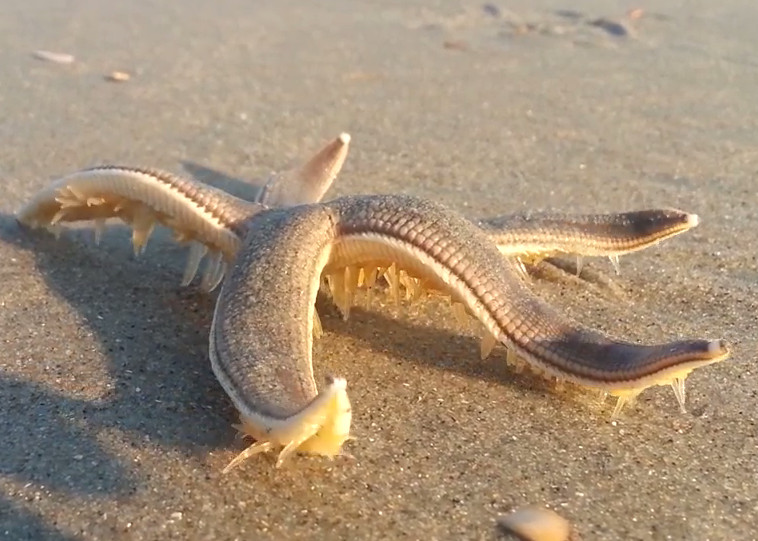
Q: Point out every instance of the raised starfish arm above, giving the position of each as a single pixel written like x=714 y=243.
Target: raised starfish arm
x=210 y=220
x=310 y=181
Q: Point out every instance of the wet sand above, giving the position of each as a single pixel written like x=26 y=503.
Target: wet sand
x=114 y=425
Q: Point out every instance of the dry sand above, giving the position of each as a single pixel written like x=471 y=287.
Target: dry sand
x=113 y=424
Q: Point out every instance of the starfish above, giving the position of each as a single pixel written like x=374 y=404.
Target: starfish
x=273 y=255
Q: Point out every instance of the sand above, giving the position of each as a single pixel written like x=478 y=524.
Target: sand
x=113 y=424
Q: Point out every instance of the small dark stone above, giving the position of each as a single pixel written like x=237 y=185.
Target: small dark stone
x=612 y=27
x=492 y=10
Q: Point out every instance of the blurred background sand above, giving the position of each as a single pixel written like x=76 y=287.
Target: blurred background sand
x=114 y=426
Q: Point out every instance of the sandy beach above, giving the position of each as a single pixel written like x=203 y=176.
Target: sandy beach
x=114 y=426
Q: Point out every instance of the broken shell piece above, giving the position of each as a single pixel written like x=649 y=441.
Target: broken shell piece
x=536 y=524
x=58 y=58
x=118 y=76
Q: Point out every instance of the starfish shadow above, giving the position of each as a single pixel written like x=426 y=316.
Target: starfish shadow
x=18 y=523
x=162 y=391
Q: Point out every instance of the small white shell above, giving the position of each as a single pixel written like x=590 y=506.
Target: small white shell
x=58 y=58
x=118 y=76
x=535 y=523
